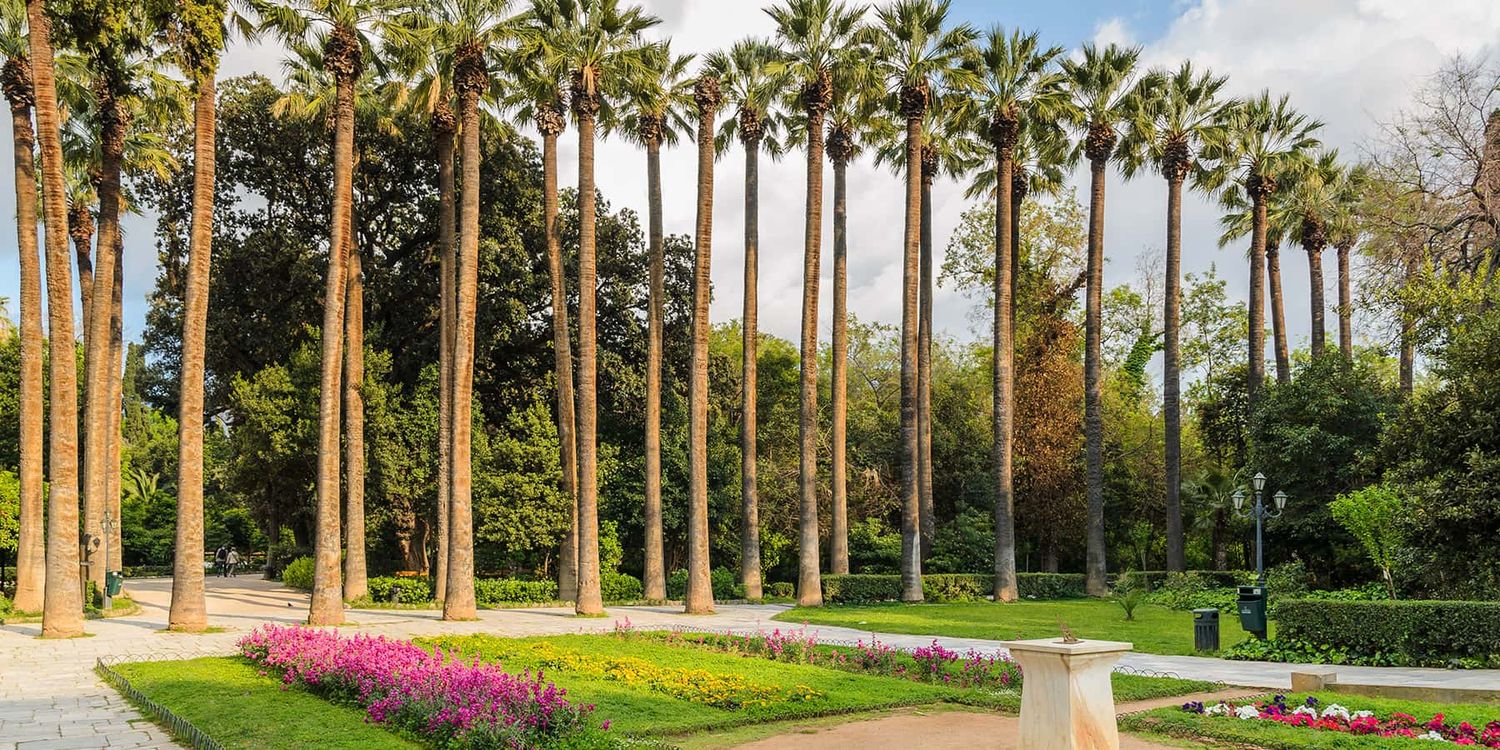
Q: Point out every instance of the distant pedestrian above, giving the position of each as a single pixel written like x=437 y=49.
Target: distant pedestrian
x=233 y=560
x=221 y=560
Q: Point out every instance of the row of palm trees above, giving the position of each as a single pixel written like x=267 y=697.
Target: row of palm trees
x=929 y=97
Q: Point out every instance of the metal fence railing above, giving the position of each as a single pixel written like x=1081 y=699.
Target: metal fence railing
x=181 y=728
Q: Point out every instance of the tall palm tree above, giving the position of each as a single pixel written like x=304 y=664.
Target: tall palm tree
x=62 y=607
x=1315 y=198
x=745 y=72
x=15 y=80
x=1017 y=84
x=1257 y=141
x=915 y=54
x=1237 y=223
x=1100 y=84
x=1343 y=232
x=345 y=30
x=599 y=45
x=815 y=37
x=656 y=109
x=1173 y=116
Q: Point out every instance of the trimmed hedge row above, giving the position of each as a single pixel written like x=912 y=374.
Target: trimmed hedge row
x=495 y=592
x=1214 y=578
x=1427 y=632
x=947 y=587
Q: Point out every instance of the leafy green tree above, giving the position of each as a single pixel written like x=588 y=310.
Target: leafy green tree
x=1373 y=515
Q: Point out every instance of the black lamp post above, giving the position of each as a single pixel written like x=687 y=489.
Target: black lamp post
x=1259 y=512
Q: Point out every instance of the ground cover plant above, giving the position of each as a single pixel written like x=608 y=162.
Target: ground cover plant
x=1154 y=630
x=1331 y=722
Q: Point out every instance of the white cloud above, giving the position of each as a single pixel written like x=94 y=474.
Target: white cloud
x=1113 y=31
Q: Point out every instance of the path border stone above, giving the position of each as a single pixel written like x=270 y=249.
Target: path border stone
x=182 y=729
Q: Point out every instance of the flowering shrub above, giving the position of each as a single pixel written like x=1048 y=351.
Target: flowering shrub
x=454 y=703
x=1337 y=718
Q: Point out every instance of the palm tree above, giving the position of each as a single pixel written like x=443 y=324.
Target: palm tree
x=1317 y=197
x=1257 y=141
x=745 y=71
x=62 y=608
x=1100 y=84
x=1238 y=223
x=1017 y=84
x=344 y=30
x=814 y=36
x=656 y=110
x=1343 y=232
x=700 y=595
x=599 y=46
x=914 y=54
x=15 y=79
x=1174 y=115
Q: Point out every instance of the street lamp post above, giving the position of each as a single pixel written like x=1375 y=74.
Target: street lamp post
x=1259 y=512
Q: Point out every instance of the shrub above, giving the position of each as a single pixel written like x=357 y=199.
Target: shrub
x=1210 y=578
x=1050 y=585
x=1193 y=590
x=781 y=590
x=620 y=587
x=400 y=590
x=861 y=588
x=1288 y=580
x=298 y=574
x=1405 y=632
x=725 y=583
x=497 y=592
x=957 y=587
x=948 y=587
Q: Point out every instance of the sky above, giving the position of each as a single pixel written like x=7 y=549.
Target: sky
x=1348 y=63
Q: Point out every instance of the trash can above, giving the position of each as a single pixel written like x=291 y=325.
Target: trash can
x=112 y=582
x=1206 y=629
x=1252 y=608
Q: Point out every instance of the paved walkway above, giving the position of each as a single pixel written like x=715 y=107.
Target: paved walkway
x=50 y=697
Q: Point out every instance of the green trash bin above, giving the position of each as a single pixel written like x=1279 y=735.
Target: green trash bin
x=1252 y=608
x=112 y=582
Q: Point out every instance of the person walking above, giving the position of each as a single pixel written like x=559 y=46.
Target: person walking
x=233 y=560
x=221 y=559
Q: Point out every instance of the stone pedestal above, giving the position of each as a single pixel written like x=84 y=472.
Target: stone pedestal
x=1067 y=702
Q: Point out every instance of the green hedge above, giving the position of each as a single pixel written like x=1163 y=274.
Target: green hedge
x=400 y=590
x=1416 y=632
x=495 y=592
x=298 y=574
x=725 y=583
x=1211 y=578
x=947 y=587
x=620 y=587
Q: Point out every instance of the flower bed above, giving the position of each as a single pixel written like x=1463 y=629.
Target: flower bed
x=454 y=703
x=1336 y=718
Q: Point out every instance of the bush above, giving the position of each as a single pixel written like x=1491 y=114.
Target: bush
x=957 y=587
x=861 y=588
x=400 y=590
x=725 y=584
x=1288 y=580
x=1210 y=578
x=1439 y=633
x=498 y=592
x=620 y=587
x=948 y=587
x=781 y=590
x=1193 y=590
x=298 y=574
x=1050 y=585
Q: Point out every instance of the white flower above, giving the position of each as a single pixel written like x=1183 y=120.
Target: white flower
x=1363 y=714
x=1218 y=709
x=1431 y=735
x=1247 y=712
x=1306 y=711
x=1334 y=709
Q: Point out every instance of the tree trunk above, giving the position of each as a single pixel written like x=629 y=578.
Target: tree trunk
x=1257 y=323
x=1220 y=539
x=115 y=559
x=926 y=519
x=1279 y=336
x=1172 y=377
x=62 y=608
x=750 y=332
x=327 y=606
x=81 y=230
x=355 y=583
x=447 y=240
x=809 y=578
x=589 y=601
x=562 y=360
x=1346 y=304
x=1003 y=410
x=31 y=548
x=911 y=539
x=655 y=580
x=700 y=592
x=1315 y=284
x=459 y=602
x=1097 y=566
x=838 y=535
x=1408 y=357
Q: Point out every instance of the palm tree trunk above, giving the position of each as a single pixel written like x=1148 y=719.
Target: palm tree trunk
x=1005 y=586
x=562 y=357
x=655 y=581
x=838 y=534
x=809 y=578
x=187 y=610
x=589 y=601
x=750 y=332
x=1279 y=335
x=447 y=240
x=62 y=608
x=1093 y=410
x=459 y=602
x=1257 y=323
x=97 y=390
x=1172 y=377
x=1018 y=189
x=355 y=584
x=1315 y=287
x=31 y=535
x=926 y=519
x=327 y=606
x=1346 y=305
x=700 y=592
x=1408 y=358
x=115 y=559
x=911 y=540
x=81 y=230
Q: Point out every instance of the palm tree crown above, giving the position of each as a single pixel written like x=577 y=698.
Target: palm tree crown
x=658 y=104
x=1257 y=141
x=913 y=49
x=1171 y=116
x=752 y=80
x=1101 y=85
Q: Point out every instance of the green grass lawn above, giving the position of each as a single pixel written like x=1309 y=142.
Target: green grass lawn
x=1155 y=629
x=1178 y=724
x=227 y=698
